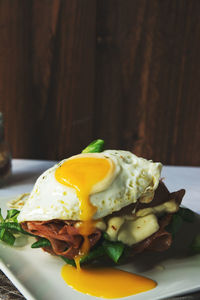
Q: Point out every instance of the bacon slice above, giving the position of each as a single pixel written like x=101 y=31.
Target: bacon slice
x=66 y=240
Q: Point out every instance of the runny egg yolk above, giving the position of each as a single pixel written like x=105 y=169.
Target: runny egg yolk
x=84 y=174
x=89 y=174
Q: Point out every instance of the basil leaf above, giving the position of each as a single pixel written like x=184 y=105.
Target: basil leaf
x=7 y=237
x=41 y=243
x=195 y=246
x=95 y=146
x=186 y=214
x=114 y=250
x=93 y=254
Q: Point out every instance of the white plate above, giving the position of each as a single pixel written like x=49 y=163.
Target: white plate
x=37 y=274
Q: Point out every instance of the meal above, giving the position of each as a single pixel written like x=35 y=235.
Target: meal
x=96 y=207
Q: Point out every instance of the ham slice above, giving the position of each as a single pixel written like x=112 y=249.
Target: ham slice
x=64 y=237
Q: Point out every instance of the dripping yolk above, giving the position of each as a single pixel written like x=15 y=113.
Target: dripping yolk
x=87 y=174
x=106 y=282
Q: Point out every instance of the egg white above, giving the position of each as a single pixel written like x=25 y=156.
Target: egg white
x=133 y=178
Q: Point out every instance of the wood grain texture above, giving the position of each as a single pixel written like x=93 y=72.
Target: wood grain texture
x=148 y=73
x=126 y=71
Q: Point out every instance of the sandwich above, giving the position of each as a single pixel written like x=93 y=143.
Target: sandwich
x=101 y=205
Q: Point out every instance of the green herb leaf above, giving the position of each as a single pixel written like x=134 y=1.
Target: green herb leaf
x=42 y=242
x=175 y=224
x=95 y=146
x=195 y=246
x=106 y=236
x=7 y=237
x=114 y=250
x=1 y=217
x=69 y=261
x=12 y=215
x=186 y=214
x=16 y=227
x=94 y=254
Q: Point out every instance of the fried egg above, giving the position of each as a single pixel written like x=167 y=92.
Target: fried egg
x=91 y=186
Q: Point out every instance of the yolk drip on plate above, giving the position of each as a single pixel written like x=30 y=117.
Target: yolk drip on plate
x=87 y=175
x=106 y=282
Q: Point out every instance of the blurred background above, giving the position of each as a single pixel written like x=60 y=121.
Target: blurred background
x=125 y=71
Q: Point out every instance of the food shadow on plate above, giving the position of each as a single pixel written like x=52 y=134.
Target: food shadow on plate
x=179 y=249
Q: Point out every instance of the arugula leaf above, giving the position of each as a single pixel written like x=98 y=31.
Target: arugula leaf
x=95 y=146
x=113 y=249
x=195 y=246
x=42 y=242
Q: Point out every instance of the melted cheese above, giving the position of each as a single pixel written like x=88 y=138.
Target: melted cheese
x=106 y=282
x=132 y=229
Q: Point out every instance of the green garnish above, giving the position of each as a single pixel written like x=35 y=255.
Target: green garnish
x=9 y=226
x=114 y=250
x=94 y=254
x=186 y=214
x=195 y=246
x=1 y=217
x=183 y=214
x=175 y=224
x=12 y=215
x=95 y=146
x=69 y=261
x=42 y=242
x=7 y=237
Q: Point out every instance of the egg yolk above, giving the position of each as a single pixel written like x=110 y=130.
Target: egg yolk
x=106 y=282
x=82 y=174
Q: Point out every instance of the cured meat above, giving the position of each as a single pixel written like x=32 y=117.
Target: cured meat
x=162 y=239
x=64 y=237
x=66 y=240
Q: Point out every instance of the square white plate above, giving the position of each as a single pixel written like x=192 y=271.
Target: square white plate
x=37 y=274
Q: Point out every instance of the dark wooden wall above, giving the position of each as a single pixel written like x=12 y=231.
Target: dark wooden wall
x=127 y=71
